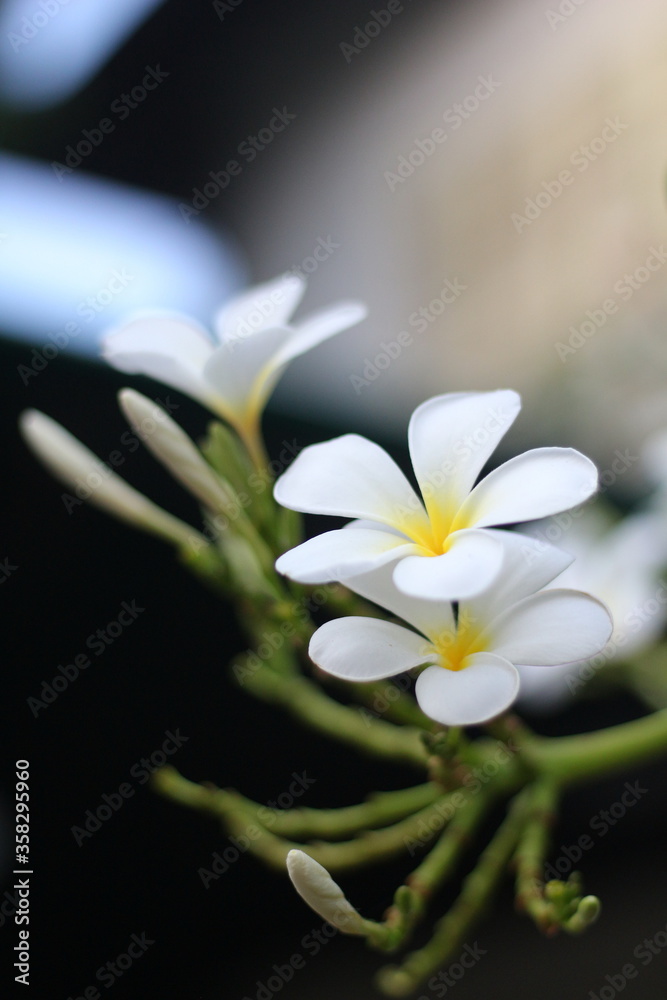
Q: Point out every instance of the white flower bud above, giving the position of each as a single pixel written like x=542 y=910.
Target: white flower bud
x=78 y=468
x=317 y=888
x=175 y=450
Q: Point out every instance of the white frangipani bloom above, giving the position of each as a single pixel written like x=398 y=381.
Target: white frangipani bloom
x=91 y=479
x=471 y=658
x=235 y=373
x=317 y=888
x=621 y=563
x=441 y=547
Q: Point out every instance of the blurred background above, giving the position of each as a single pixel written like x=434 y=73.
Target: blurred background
x=490 y=179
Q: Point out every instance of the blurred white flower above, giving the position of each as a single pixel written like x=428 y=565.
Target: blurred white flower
x=621 y=564
x=235 y=374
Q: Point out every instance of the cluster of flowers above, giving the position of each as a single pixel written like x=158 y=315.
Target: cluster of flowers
x=474 y=593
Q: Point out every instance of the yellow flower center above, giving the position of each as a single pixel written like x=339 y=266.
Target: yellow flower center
x=454 y=646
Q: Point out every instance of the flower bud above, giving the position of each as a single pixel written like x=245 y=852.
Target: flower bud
x=315 y=885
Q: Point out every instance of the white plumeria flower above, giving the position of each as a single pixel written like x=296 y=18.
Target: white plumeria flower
x=235 y=373
x=471 y=674
x=91 y=479
x=442 y=545
x=317 y=888
x=621 y=563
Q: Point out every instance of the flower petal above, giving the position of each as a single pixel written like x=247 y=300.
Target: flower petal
x=338 y=554
x=237 y=370
x=528 y=565
x=482 y=689
x=169 y=348
x=351 y=476
x=367 y=649
x=429 y=617
x=319 y=327
x=538 y=483
x=553 y=627
x=269 y=304
x=471 y=564
x=451 y=437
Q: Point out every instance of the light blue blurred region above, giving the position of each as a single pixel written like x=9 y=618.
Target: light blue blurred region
x=49 y=49
x=85 y=253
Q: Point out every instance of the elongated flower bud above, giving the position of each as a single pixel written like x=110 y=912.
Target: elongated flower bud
x=77 y=467
x=175 y=450
x=317 y=888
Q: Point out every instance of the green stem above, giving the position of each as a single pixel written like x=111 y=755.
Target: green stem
x=411 y=898
x=242 y=822
x=312 y=706
x=570 y=759
x=300 y=824
x=451 y=930
x=532 y=851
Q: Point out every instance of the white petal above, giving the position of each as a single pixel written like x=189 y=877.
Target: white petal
x=338 y=554
x=317 y=888
x=471 y=564
x=482 y=689
x=451 y=437
x=269 y=304
x=429 y=617
x=351 y=476
x=319 y=327
x=536 y=484
x=171 y=349
x=367 y=649
x=177 y=452
x=237 y=370
x=553 y=627
x=82 y=471
x=528 y=565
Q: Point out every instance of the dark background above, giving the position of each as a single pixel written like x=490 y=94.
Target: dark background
x=139 y=873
